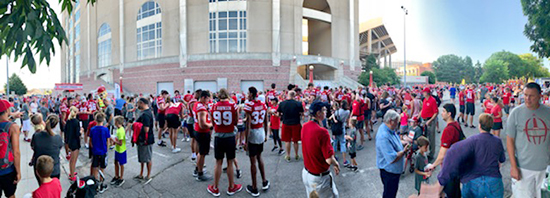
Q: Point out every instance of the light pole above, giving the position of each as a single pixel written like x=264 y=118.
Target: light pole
x=120 y=78
x=370 y=79
x=311 y=74
x=7 y=76
x=405 y=11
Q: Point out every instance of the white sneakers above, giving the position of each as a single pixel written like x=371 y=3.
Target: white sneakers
x=176 y=150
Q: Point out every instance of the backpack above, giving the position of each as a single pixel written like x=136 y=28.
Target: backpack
x=461 y=135
x=6 y=151
x=337 y=128
x=137 y=127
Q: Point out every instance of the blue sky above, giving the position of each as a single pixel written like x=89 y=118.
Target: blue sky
x=475 y=28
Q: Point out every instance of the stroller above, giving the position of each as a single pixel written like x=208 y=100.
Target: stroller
x=86 y=187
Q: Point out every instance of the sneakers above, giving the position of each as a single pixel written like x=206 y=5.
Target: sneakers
x=346 y=163
x=265 y=185
x=176 y=150
x=27 y=139
x=114 y=181
x=195 y=173
x=274 y=148
x=252 y=191
x=353 y=168
x=103 y=188
x=236 y=188
x=287 y=158
x=138 y=177
x=162 y=143
x=360 y=147
x=119 y=182
x=239 y=174
x=202 y=177
x=213 y=191
x=281 y=152
x=297 y=158
x=147 y=180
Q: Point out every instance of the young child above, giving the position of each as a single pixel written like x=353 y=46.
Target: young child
x=51 y=187
x=98 y=142
x=120 y=151
x=352 y=140
x=421 y=163
x=275 y=124
x=404 y=120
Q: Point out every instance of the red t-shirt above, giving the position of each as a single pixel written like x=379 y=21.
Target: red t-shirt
x=83 y=111
x=160 y=102
x=488 y=106
x=275 y=120
x=506 y=98
x=324 y=96
x=461 y=98
x=451 y=134
x=92 y=106
x=257 y=109
x=64 y=108
x=187 y=97
x=357 y=110
x=470 y=96
x=408 y=100
x=92 y=124
x=198 y=107
x=177 y=98
x=495 y=111
x=174 y=108
x=271 y=94
x=339 y=95
x=51 y=189
x=224 y=113
x=429 y=108
x=316 y=147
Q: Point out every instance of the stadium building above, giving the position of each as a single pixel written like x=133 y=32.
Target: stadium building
x=151 y=45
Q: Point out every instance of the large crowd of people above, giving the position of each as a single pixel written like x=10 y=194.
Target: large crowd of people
x=331 y=125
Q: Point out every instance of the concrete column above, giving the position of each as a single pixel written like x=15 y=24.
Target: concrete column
x=369 y=41
x=385 y=59
x=89 y=44
x=183 y=33
x=390 y=60
x=352 y=35
x=121 y=34
x=379 y=52
x=276 y=34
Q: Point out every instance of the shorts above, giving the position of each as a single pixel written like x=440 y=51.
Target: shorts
x=99 y=161
x=497 y=126
x=191 y=131
x=507 y=109
x=173 y=121
x=353 y=155
x=360 y=124
x=339 y=143
x=6 y=184
x=241 y=128
x=462 y=109
x=145 y=153
x=291 y=133
x=26 y=125
x=470 y=109
x=404 y=129
x=120 y=158
x=118 y=112
x=74 y=144
x=368 y=115
x=161 y=118
x=452 y=96
x=85 y=124
x=224 y=146
x=204 y=142
x=255 y=149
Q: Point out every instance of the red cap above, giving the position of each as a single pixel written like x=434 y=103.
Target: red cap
x=426 y=90
x=5 y=105
x=415 y=119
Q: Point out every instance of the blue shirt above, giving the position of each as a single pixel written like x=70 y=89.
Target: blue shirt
x=120 y=103
x=99 y=136
x=476 y=156
x=452 y=91
x=387 y=146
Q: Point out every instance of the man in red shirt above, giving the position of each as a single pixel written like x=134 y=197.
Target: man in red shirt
x=202 y=127
x=161 y=117
x=357 y=110
x=188 y=97
x=318 y=155
x=470 y=105
x=429 y=115
x=225 y=117
x=255 y=135
x=506 y=100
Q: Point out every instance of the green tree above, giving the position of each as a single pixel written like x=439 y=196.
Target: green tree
x=516 y=66
x=452 y=68
x=533 y=66
x=16 y=85
x=495 y=71
x=430 y=75
x=28 y=28
x=369 y=63
x=537 y=28
x=478 y=71
x=379 y=75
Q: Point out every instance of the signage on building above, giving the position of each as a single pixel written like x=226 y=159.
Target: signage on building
x=68 y=86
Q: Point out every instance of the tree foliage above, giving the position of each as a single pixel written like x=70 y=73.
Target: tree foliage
x=533 y=66
x=452 y=68
x=16 y=85
x=430 y=75
x=537 y=28
x=478 y=71
x=379 y=75
x=516 y=66
x=28 y=28
x=495 y=71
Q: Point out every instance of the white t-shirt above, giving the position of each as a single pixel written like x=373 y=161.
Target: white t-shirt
x=34 y=107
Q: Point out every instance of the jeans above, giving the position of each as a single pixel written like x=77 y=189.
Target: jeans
x=339 y=143
x=390 y=182
x=483 y=187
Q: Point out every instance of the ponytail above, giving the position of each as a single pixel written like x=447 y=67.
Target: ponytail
x=51 y=122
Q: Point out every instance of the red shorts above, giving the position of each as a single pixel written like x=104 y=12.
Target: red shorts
x=291 y=133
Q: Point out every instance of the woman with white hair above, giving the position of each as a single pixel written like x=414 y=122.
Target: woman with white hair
x=389 y=153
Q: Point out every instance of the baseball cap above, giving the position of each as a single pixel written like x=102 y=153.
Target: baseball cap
x=426 y=90
x=317 y=106
x=5 y=105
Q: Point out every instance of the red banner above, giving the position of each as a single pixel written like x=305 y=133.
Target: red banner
x=68 y=86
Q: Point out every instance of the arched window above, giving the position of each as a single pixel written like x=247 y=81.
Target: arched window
x=104 y=46
x=149 y=31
